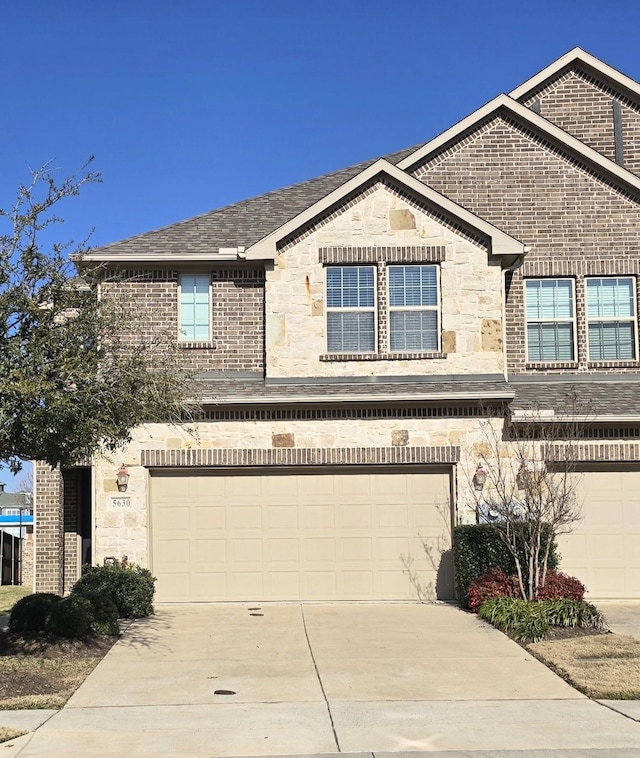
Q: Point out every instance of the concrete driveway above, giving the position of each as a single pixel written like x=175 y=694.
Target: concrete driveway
x=322 y=679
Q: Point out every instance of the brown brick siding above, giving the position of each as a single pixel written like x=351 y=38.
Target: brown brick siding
x=575 y=223
x=577 y=106
x=592 y=453
x=583 y=106
x=49 y=542
x=237 y=316
x=420 y=254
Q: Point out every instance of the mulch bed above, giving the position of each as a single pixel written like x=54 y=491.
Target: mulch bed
x=44 y=671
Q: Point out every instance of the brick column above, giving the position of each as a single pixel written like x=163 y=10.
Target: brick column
x=49 y=528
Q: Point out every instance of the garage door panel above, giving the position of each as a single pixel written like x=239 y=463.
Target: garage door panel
x=319 y=536
x=279 y=517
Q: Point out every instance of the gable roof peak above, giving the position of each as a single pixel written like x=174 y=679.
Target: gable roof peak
x=603 y=71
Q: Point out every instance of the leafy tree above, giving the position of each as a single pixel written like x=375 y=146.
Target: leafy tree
x=69 y=382
x=525 y=487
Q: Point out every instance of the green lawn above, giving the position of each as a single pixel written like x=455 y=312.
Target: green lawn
x=10 y=595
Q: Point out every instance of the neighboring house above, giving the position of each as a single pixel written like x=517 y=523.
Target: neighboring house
x=350 y=333
x=16 y=519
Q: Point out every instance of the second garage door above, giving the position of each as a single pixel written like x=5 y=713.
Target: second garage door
x=324 y=535
x=603 y=550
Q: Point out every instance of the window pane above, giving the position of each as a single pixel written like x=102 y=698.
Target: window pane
x=413 y=331
x=610 y=297
x=413 y=286
x=350 y=287
x=350 y=332
x=611 y=341
x=549 y=298
x=549 y=342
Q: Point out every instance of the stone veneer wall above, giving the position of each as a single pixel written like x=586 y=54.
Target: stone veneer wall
x=382 y=226
x=575 y=223
x=28 y=577
x=124 y=531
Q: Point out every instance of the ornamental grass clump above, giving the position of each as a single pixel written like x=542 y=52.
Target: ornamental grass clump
x=532 y=620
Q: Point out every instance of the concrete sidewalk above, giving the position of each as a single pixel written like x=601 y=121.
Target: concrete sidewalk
x=324 y=679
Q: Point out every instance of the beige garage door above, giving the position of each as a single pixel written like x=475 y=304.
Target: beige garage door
x=324 y=535
x=604 y=549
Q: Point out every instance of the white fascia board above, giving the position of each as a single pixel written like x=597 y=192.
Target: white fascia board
x=152 y=258
x=501 y=243
x=577 y=55
x=379 y=398
x=537 y=123
x=533 y=416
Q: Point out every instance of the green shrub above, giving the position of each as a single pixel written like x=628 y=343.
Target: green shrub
x=30 y=613
x=478 y=548
x=129 y=587
x=71 y=617
x=104 y=613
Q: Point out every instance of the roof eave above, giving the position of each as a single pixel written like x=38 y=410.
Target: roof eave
x=592 y=157
x=500 y=242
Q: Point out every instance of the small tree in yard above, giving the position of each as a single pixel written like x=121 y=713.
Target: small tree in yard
x=69 y=384
x=529 y=491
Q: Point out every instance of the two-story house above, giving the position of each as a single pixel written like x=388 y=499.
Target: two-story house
x=350 y=336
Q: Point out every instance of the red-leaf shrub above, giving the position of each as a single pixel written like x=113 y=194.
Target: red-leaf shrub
x=558 y=586
x=495 y=583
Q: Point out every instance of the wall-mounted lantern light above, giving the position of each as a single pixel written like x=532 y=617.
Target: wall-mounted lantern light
x=522 y=477
x=479 y=478
x=122 y=478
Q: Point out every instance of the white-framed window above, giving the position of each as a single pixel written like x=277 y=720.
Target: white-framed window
x=414 y=306
x=551 y=326
x=351 y=309
x=194 y=310
x=611 y=318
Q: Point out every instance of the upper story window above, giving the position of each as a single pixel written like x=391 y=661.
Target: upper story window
x=413 y=308
x=351 y=303
x=550 y=316
x=611 y=318
x=405 y=300
x=194 y=319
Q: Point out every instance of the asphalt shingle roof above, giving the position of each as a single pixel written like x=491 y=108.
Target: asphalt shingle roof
x=240 y=224
x=234 y=391
x=591 y=398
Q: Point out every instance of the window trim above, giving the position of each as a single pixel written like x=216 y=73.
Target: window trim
x=182 y=339
x=437 y=308
x=612 y=319
x=573 y=320
x=356 y=309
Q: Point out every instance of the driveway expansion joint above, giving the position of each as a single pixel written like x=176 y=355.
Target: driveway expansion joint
x=315 y=666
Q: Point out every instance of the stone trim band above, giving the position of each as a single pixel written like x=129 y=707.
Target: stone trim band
x=339 y=456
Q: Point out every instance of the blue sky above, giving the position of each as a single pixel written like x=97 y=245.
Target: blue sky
x=191 y=105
